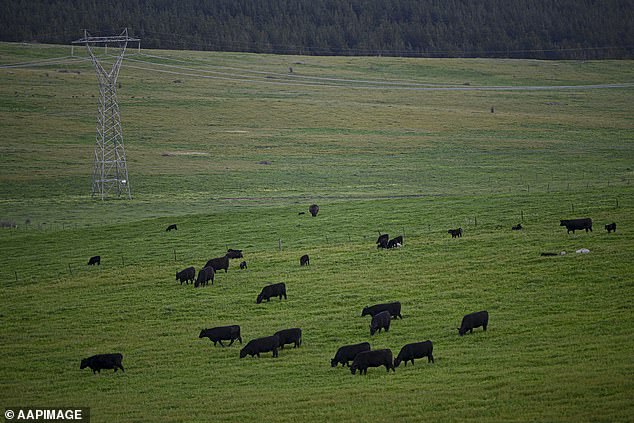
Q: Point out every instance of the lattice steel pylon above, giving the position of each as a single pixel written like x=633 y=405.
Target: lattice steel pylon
x=110 y=171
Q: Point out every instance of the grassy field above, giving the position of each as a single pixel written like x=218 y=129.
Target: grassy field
x=231 y=147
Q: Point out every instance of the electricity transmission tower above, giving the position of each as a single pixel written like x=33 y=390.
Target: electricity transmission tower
x=110 y=171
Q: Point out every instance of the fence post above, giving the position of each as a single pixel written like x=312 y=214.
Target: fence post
x=16 y=275
x=174 y=254
x=70 y=270
x=279 y=244
x=522 y=214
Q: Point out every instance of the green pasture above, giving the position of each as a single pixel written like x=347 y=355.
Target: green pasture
x=231 y=147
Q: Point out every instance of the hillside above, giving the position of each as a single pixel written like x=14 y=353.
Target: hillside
x=542 y=29
x=231 y=147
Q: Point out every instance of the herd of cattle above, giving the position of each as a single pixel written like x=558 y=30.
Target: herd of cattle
x=361 y=355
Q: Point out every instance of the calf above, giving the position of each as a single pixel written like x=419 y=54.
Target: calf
x=381 y=239
x=234 y=254
x=415 y=350
x=103 y=361
x=205 y=275
x=395 y=243
x=517 y=227
x=94 y=260
x=170 y=227
x=313 y=209
x=243 y=265
x=380 y=321
x=574 y=224
x=394 y=309
x=304 y=260
x=222 y=333
x=474 y=320
x=375 y=358
x=260 y=345
x=347 y=353
x=611 y=227
x=290 y=336
x=219 y=263
x=455 y=233
x=274 y=290
x=186 y=275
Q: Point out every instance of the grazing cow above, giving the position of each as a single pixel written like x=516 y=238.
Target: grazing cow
x=347 y=353
x=548 y=254
x=94 y=260
x=186 y=275
x=219 y=263
x=274 y=290
x=205 y=275
x=290 y=336
x=304 y=260
x=473 y=320
x=243 y=265
x=170 y=227
x=517 y=227
x=222 y=333
x=382 y=238
x=375 y=358
x=611 y=227
x=380 y=321
x=574 y=224
x=314 y=209
x=415 y=350
x=103 y=361
x=384 y=243
x=261 y=345
x=395 y=242
x=455 y=233
x=394 y=309
x=234 y=254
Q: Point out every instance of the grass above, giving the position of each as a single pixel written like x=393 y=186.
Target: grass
x=559 y=345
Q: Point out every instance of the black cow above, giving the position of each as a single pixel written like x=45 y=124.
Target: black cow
x=103 y=361
x=574 y=224
x=170 y=227
x=290 y=336
x=186 y=275
x=94 y=260
x=455 y=233
x=395 y=242
x=222 y=333
x=611 y=227
x=474 y=320
x=517 y=227
x=380 y=321
x=314 y=209
x=205 y=275
x=304 y=260
x=415 y=350
x=375 y=358
x=274 y=290
x=260 y=345
x=384 y=243
x=234 y=254
x=347 y=353
x=219 y=263
x=381 y=239
x=394 y=309
x=243 y=265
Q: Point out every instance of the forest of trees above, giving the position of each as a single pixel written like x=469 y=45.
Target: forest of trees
x=544 y=29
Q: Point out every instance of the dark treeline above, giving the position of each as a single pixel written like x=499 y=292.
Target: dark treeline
x=545 y=29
